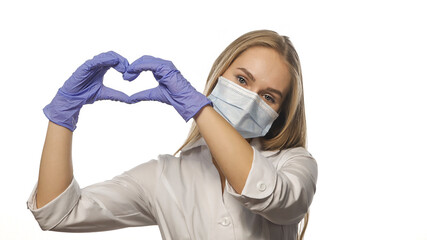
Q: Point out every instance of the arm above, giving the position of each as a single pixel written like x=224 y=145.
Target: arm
x=124 y=201
x=83 y=87
x=280 y=187
x=56 y=169
x=57 y=202
x=289 y=188
x=230 y=150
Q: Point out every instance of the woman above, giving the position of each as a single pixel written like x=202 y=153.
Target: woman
x=248 y=135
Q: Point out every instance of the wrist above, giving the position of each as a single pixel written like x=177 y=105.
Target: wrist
x=198 y=102
x=204 y=108
x=64 y=110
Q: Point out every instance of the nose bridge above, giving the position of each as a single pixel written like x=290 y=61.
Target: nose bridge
x=255 y=87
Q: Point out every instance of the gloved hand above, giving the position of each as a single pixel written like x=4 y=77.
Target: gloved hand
x=85 y=87
x=173 y=88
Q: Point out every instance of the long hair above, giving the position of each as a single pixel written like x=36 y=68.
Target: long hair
x=289 y=129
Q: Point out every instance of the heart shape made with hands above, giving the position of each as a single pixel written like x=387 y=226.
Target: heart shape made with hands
x=114 y=80
x=86 y=85
x=170 y=81
x=172 y=88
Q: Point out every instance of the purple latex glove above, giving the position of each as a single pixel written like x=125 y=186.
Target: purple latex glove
x=173 y=88
x=85 y=87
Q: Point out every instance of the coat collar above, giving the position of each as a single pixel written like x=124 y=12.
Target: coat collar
x=255 y=142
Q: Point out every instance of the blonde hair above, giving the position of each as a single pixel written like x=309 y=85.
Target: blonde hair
x=289 y=129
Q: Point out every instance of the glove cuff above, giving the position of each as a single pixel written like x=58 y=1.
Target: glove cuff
x=191 y=108
x=64 y=110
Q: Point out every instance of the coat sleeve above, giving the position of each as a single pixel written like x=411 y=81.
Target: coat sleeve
x=280 y=194
x=123 y=201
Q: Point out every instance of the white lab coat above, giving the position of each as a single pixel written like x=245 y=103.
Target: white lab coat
x=183 y=196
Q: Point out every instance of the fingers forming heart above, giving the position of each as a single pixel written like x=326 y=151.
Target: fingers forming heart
x=160 y=69
x=131 y=72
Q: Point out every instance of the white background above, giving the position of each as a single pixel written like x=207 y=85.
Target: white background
x=364 y=68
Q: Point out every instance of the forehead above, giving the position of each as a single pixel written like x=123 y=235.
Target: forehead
x=266 y=65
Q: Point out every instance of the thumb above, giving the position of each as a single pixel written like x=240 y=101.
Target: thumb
x=130 y=76
x=107 y=93
x=153 y=94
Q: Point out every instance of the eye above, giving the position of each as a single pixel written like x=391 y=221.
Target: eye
x=241 y=80
x=269 y=98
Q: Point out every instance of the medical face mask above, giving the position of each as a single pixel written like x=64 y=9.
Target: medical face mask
x=242 y=108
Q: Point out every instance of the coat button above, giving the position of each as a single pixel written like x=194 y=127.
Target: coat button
x=225 y=221
x=261 y=186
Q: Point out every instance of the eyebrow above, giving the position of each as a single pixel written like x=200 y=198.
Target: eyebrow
x=247 y=73
x=253 y=79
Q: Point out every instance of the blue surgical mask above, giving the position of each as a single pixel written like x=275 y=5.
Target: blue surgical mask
x=242 y=108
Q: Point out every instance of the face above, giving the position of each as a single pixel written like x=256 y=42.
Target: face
x=263 y=71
